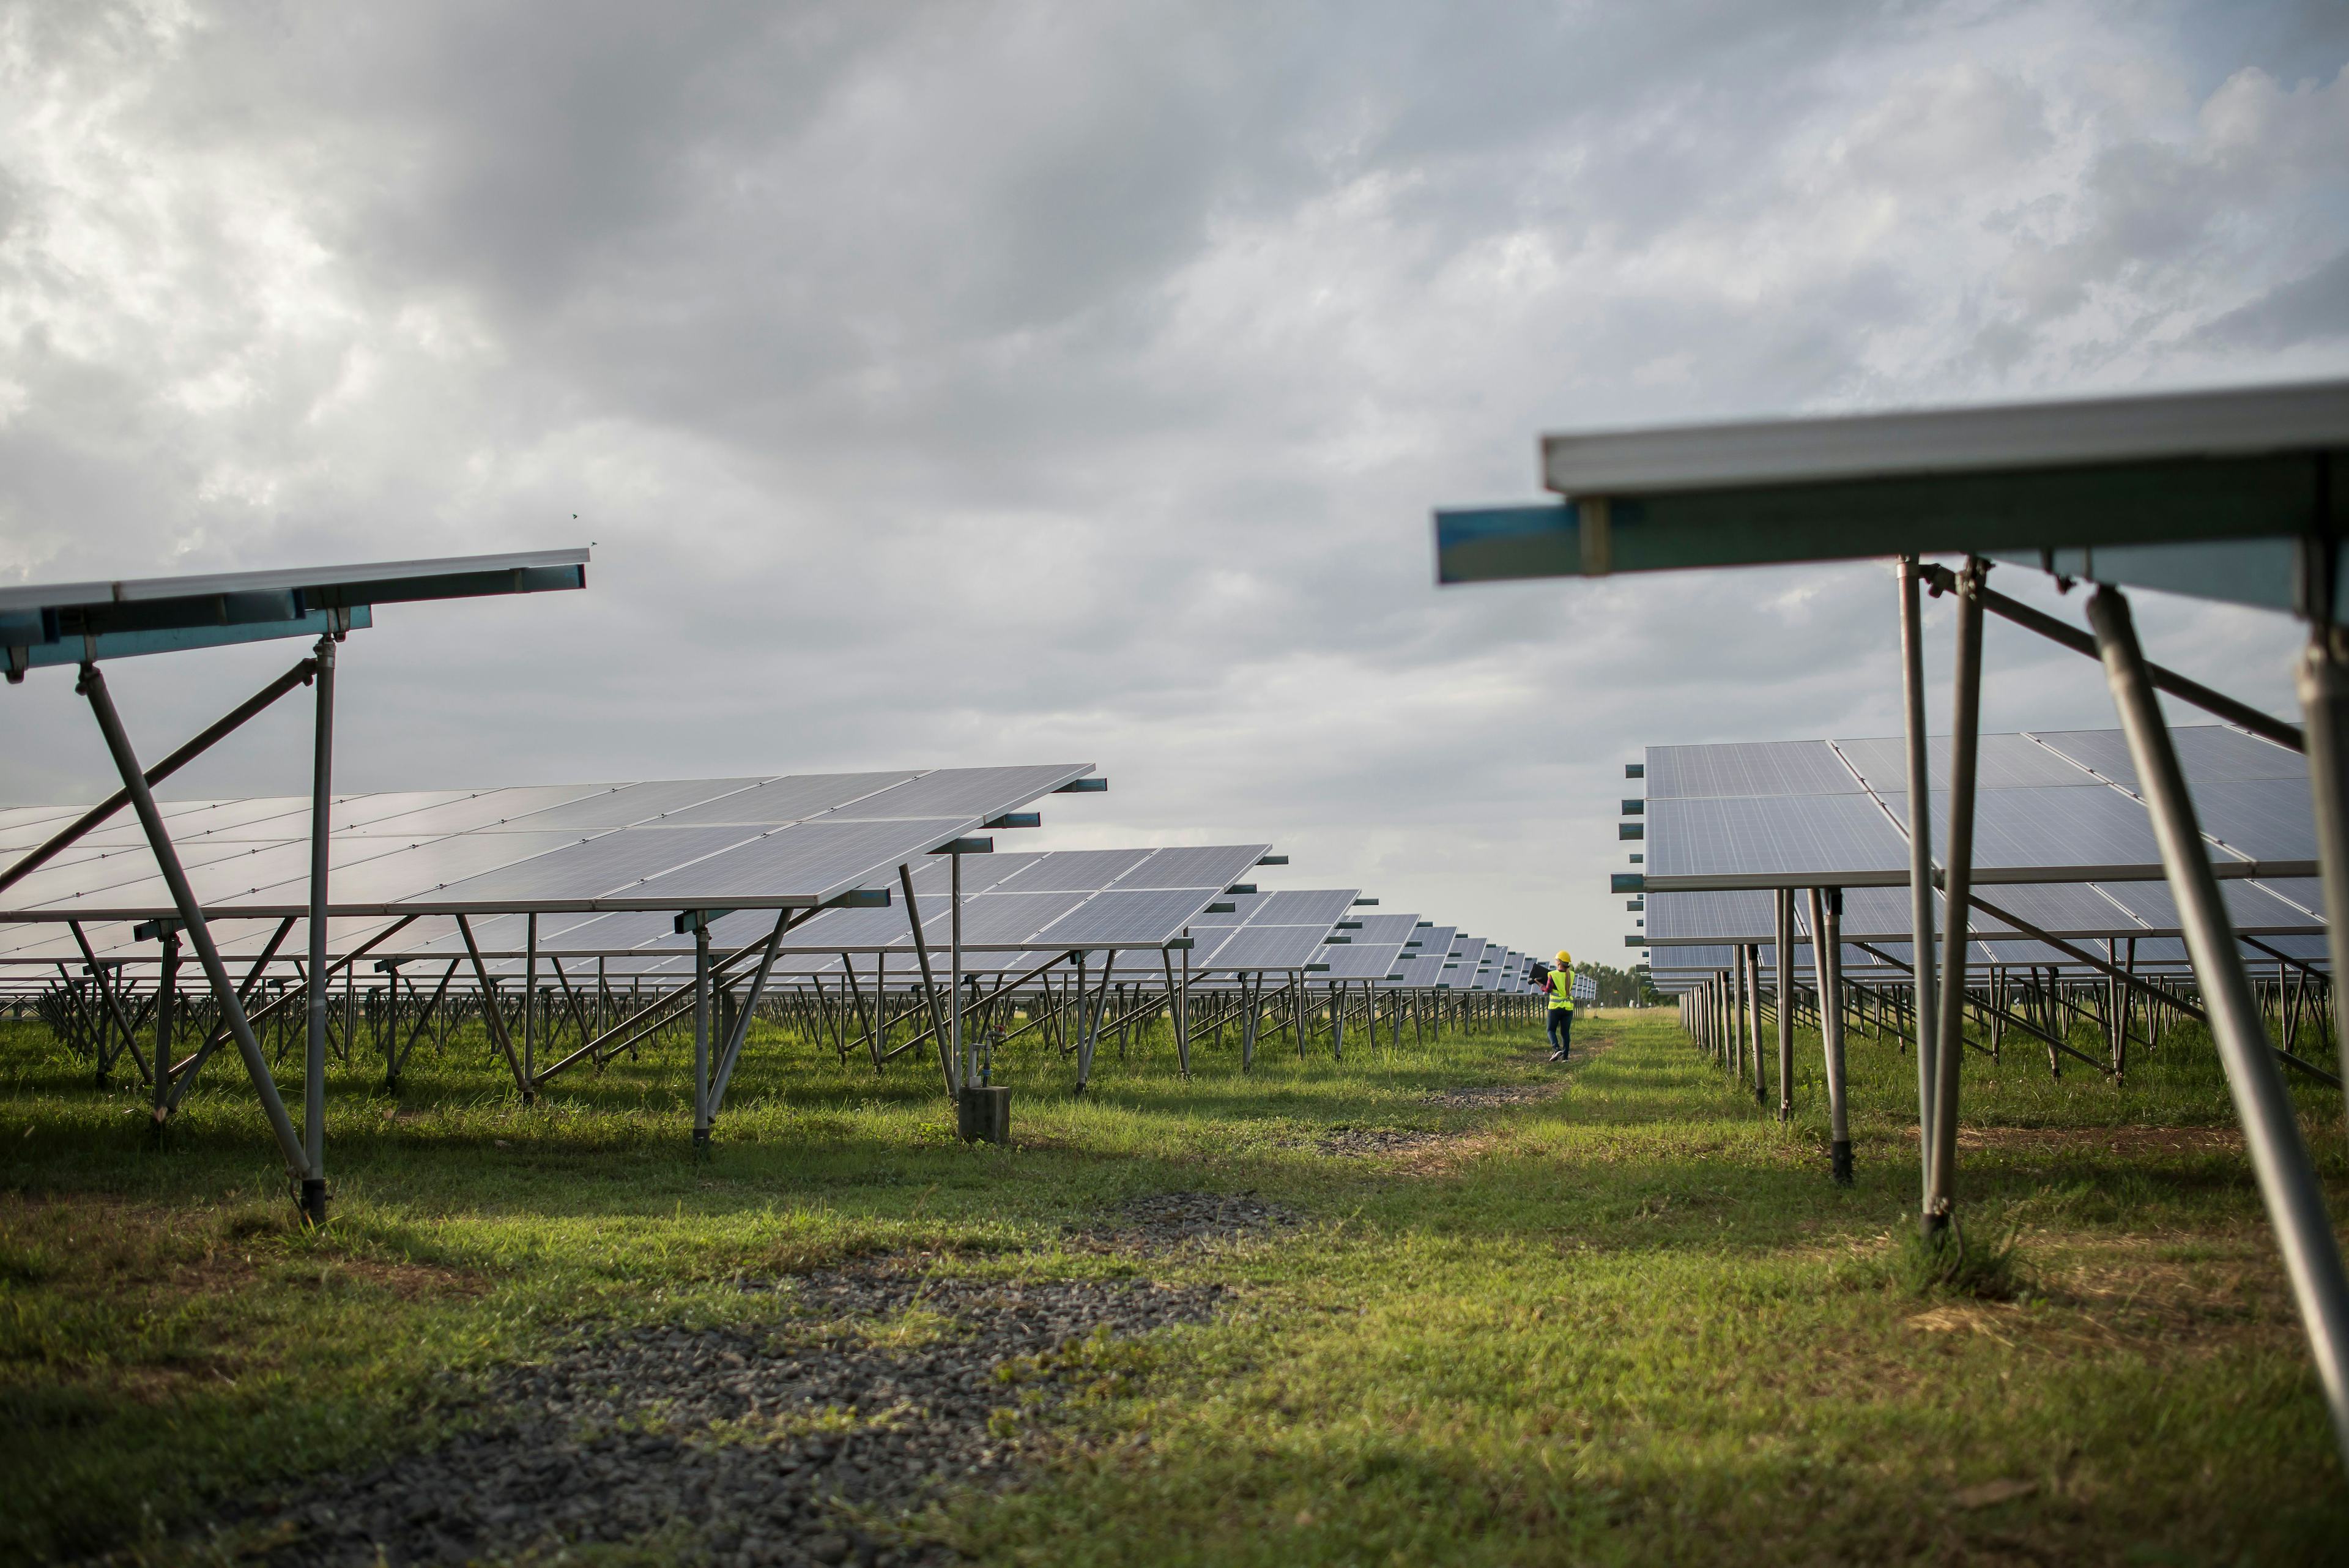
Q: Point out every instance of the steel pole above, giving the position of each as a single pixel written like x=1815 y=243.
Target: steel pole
x=1920 y=865
x=701 y=1033
x=965 y=1072
x=2324 y=681
x=1957 y=875
x=92 y=685
x=530 y=1003
x=1753 y=1020
x=314 y=1053
x=1827 y=961
x=2288 y=1184
x=166 y=988
x=1785 y=978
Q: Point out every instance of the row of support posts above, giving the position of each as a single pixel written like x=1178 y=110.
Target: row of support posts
x=2279 y=1158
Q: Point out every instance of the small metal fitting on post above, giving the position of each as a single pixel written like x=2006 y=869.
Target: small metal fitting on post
x=1840 y=1152
x=314 y=1201
x=701 y=1145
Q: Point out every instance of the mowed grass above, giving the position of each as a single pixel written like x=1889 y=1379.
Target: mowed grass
x=1632 y=1322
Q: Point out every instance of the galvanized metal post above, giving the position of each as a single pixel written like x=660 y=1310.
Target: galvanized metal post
x=1785 y=1004
x=530 y=1002
x=1753 y=1018
x=1182 y=1012
x=314 y=1054
x=2279 y=1159
x=1921 y=867
x=700 y=1033
x=1737 y=1023
x=1826 y=962
x=965 y=1072
x=92 y=685
x=1957 y=875
x=166 y=995
x=2323 y=682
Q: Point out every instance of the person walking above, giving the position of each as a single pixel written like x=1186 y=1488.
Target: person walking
x=1559 y=983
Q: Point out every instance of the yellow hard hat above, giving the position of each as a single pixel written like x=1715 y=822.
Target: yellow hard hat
x=1564 y=957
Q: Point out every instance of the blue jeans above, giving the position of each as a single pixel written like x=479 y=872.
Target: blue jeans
x=1561 y=1028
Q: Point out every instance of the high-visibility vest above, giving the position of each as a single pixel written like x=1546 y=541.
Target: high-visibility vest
x=1561 y=990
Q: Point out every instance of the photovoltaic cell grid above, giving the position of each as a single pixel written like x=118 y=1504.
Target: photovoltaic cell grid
x=1372 y=953
x=790 y=841
x=1282 y=931
x=2047 y=803
x=1424 y=967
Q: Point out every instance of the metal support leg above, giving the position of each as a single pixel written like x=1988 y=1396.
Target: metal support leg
x=530 y=1000
x=1754 y=1015
x=2288 y=1184
x=167 y=982
x=2324 y=681
x=183 y=898
x=700 y=1038
x=1827 y=963
x=1786 y=1004
x=947 y=1063
x=313 y=1054
x=966 y=1072
x=1921 y=870
x=1183 y=1016
x=1957 y=879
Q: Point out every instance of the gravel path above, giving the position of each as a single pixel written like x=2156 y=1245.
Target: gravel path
x=743 y=1447
x=1488 y=1097
x=1165 y=1220
x=1359 y=1142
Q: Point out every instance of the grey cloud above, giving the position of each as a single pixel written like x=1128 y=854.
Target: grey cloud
x=961 y=383
x=2310 y=309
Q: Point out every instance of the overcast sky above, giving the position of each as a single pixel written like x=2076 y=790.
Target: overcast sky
x=967 y=383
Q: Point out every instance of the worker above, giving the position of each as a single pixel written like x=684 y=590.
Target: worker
x=1561 y=1006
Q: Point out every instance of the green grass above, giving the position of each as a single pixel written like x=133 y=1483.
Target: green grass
x=1633 y=1324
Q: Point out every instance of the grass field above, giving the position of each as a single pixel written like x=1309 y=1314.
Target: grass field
x=1631 y=1322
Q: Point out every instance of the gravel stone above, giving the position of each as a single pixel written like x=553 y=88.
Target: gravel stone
x=1354 y=1143
x=1165 y=1220
x=812 y=1440
x=1489 y=1096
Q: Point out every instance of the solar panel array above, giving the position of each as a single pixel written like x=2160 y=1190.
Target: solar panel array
x=2061 y=841
x=787 y=841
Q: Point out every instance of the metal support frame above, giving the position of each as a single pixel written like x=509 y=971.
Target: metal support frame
x=92 y=685
x=1786 y=978
x=701 y=1108
x=1921 y=867
x=220 y=729
x=946 y=1064
x=314 y=1056
x=2323 y=680
x=1826 y=961
x=1957 y=873
x=963 y=1069
x=2279 y=1159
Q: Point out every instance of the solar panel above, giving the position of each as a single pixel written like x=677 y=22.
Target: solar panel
x=792 y=798
x=1263 y=947
x=2207 y=754
x=1360 y=961
x=961 y=792
x=1143 y=917
x=1214 y=866
x=1076 y=871
x=1304 y=908
x=1755 y=768
x=2002 y=761
x=544 y=848
x=1828 y=838
x=624 y=804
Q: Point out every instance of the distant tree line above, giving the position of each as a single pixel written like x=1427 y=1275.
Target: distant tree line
x=1622 y=987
